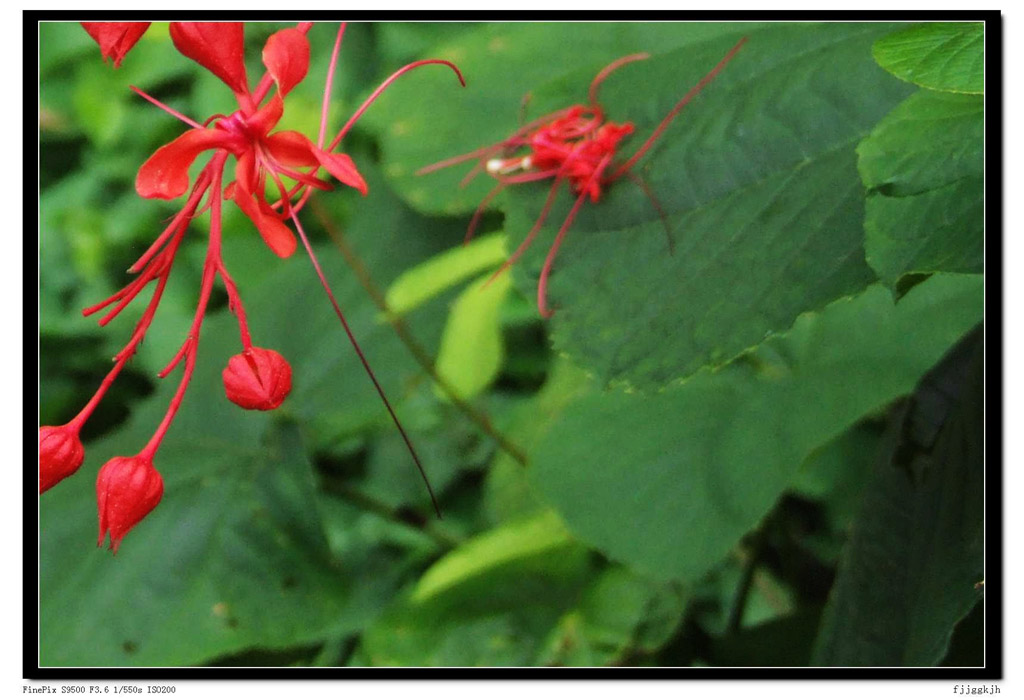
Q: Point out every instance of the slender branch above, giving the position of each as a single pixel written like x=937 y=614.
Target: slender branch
x=418 y=352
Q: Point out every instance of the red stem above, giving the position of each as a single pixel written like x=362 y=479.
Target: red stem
x=138 y=334
x=191 y=345
x=366 y=364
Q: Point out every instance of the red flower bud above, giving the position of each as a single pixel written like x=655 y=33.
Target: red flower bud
x=127 y=489
x=116 y=38
x=60 y=454
x=258 y=379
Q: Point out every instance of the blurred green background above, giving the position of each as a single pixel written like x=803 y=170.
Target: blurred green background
x=760 y=449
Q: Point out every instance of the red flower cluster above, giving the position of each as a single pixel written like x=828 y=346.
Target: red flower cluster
x=575 y=145
x=128 y=488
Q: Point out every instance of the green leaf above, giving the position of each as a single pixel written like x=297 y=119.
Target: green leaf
x=696 y=466
x=757 y=178
x=939 y=230
x=924 y=163
x=508 y=492
x=948 y=56
x=472 y=349
x=918 y=542
x=426 y=117
x=517 y=540
x=425 y=281
x=929 y=140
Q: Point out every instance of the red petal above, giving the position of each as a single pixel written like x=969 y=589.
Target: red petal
x=165 y=174
x=267 y=116
x=286 y=56
x=275 y=234
x=217 y=46
x=116 y=38
x=341 y=166
x=245 y=173
x=292 y=149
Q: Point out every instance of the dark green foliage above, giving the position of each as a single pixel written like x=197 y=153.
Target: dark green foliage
x=702 y=427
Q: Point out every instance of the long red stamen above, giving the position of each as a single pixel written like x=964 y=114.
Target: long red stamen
x=542 y=283
x=541 y=218
x=595 y=84
x=327 y=87
x=383 y=86
x=677 y=109
x=474 y=222
x=173 y=112
x=639 y=182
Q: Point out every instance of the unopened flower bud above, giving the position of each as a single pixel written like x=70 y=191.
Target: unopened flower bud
x=60 y=454
x=127 y=489
x=258 y=379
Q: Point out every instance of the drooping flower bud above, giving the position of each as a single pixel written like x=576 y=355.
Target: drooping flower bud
x=258 y=379
x=127 y=489
x=60 y=454
x=116 y=39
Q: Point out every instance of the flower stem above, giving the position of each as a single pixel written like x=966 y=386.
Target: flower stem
x=418 y=352
x=362 y=358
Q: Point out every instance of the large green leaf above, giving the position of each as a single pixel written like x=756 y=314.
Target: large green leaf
x=696 y=466
x=426 y=117
x=924 y=164
x=917 y=546
x=757 y=178
x=948 y=56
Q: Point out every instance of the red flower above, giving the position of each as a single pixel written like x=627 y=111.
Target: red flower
x=257 y=379
x=60 y=454
x=127 y=489
x=575 y=145
x=116 y=39
x=245 y=134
